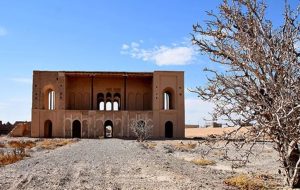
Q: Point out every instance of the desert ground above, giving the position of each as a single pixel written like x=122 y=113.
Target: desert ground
x=127 y=164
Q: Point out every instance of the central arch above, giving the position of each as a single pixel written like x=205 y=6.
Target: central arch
x=169 y=129
x=76 y=129
x=108 y=129
x=48 y=129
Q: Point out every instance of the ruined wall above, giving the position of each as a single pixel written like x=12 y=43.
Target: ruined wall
x=21 y=130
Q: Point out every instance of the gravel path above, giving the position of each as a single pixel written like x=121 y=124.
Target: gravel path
x=108 y=164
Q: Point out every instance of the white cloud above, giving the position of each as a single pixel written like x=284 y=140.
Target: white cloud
x=22 y=80
x=175 y=54
x=125 y=46
x=135 y=44
x=197 y=111
x=3 y=31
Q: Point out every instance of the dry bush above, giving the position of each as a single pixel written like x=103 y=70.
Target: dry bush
x=247 y=182
x=141 y=128
x=52 y=144
x=21 y=144
x=9 y=158
x=2 y=145
x=203 y=162
x=149 y=145
x=185 y=147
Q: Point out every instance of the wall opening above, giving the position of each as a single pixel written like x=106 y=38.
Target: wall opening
x=108 y=106
x=76 y=129
x=167 y=100
x=48 y=129
x=100 y=102
x=101 y=106
x=51 y=100
x=116 y=106
x=117 y=102
x=169 y=129
x=108 y=129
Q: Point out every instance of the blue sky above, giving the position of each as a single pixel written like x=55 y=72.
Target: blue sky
x=98 y=35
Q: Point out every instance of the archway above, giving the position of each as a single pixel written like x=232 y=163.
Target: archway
x=76 y=129
x=108 y=129
x=100 y=101
x=168 y=99
x=116 y=102
x=169 y=129
x=49 y=99
x=48 y=129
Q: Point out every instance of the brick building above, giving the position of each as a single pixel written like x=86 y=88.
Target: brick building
x=102 y=104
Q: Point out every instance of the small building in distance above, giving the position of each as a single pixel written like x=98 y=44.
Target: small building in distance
x=102 y=104
x=5 y=128
x=191 y=126
x=213 y=124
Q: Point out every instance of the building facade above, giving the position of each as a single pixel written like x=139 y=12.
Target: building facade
x=103 y=104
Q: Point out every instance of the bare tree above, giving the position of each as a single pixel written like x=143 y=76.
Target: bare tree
x=258 y=81
x=141 y=128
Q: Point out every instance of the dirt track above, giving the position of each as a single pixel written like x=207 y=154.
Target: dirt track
x=111 y=164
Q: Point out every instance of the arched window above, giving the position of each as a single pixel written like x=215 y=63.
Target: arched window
x=108 y=95
x=51 y=100
x=167 y=100
x=117 y=102
x=100 y=102
x=101 y=106
x=108 y=106
x=116 y=106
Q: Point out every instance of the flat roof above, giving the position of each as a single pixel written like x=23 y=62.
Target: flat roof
x=105 y=73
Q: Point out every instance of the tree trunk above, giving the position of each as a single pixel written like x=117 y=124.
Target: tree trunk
x=294 y=181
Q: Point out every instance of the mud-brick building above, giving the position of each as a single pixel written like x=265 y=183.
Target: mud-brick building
x=102 y=104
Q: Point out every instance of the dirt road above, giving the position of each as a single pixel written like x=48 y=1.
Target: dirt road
x=109 y=164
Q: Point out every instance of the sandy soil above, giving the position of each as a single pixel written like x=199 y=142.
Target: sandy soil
x=204 y=132
x=126 y=164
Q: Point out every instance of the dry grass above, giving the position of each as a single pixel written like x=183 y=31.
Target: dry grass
x=203 y=162
x=9 y=158
x=19 y=148
x=149 y=145
x=53 y=144
x=218 y=153
x=247 y=182
x=21 y=144
x=185 y=147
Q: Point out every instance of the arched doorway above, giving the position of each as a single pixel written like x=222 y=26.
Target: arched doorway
x=76 y=129
x=108 y=129
x=48 y=129
x=169 y=129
